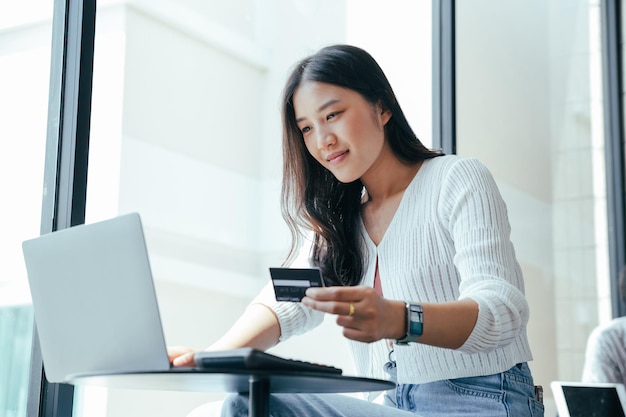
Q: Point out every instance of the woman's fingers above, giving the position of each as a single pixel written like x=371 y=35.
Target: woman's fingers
x=184 y=360
x=181 y=355
x=343 y=301
x=360 y=310
x=337 y=293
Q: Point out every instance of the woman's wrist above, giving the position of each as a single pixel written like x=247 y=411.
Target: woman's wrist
x=399 y=320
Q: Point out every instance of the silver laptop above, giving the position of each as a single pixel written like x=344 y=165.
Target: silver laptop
x=96 y=309
x=578 y=399
x=94 y=300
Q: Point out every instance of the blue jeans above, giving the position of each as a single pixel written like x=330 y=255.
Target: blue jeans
x=507 y=394
x=510 y=393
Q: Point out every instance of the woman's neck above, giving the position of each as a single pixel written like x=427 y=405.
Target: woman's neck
x=390 y=180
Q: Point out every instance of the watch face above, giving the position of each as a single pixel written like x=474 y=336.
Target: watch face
x=415 y=320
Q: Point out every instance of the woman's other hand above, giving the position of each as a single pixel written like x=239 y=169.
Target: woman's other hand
x=181 y=355
x=364 y=315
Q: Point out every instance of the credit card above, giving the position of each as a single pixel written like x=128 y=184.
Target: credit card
x=291 y=283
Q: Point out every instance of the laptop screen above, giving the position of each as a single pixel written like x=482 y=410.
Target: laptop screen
x=589 y=400
x=94 y=300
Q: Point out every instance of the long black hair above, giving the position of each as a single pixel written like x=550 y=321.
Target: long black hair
x=312 y=198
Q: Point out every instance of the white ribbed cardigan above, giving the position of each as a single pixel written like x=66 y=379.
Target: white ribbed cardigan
x=448 y=240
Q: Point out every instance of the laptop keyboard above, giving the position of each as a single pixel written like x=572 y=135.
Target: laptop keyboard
x=252 y=359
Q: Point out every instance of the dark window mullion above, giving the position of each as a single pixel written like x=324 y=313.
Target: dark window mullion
x=613 y=116
x=444 y=78
x=67 y=148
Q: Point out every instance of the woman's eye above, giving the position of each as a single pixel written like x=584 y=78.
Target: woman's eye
x=331 y=116
x=305 y=129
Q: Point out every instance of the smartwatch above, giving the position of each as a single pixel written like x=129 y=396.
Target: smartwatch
x=414 y=323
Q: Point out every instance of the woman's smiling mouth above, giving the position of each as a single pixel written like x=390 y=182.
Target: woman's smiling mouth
x=336 y=157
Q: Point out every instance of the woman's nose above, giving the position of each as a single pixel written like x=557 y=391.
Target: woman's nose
x=325 y=138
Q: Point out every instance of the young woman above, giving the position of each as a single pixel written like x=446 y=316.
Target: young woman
x=414 y=247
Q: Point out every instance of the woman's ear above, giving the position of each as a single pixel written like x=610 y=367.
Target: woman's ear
x=382 y=113
x=385 y=115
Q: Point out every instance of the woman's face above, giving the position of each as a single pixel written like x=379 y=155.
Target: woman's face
x=341 y=130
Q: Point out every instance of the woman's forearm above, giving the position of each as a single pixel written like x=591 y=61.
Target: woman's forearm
x=257 y=327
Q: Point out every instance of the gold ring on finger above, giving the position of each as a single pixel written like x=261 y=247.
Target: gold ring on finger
x=352 y=309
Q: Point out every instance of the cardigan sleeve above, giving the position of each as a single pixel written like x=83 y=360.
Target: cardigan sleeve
x=605 y=355
x=476 y=217
x=598 y=364
x=293 y=318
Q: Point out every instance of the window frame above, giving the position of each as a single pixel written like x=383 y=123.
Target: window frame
x=66 y=160
x=614 y=140
x=444 y=75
